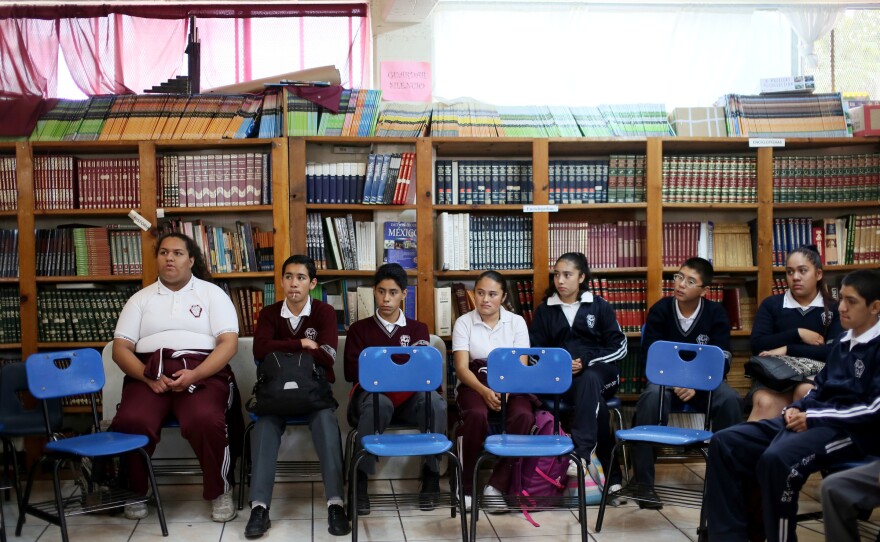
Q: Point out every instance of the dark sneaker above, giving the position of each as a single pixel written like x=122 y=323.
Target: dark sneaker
x=653 y=503
x=337 y=523
x=429 y=495
x=258 y=524
x=363 y=500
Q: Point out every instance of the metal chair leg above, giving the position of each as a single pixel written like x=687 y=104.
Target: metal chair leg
x=604 y=502
x=245 y=468
x=155 y=488
x=59 y=500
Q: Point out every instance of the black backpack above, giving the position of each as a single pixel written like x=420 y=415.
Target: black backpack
x=290 y=385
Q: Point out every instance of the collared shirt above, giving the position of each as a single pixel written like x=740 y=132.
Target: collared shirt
x=789 y=302
x=570 y=309
x=865 y=337
x=295 y=318
x=478 y=339
x=190 y=318
x=686 y=322
x=401 y=321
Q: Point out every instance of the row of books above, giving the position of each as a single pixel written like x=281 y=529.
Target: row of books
x=472 y=182
x=473 y=119
x=150 y=116
x=466 y=242
x=825 y=179
x=8 y=185
x=620 y=179
x=68 y=182
x=384 y=179
x=632 y=373
x=270 y=121
x=214 y=180
x=357 y=116
x=355 y=301
x=790 y=115
x=628 y=297
x=248 y=303
x=8 y=253
x=682 y=240
x=88 y=251
x=82 y=314
x=242 y=249
x=620 y=244
x=10 y=315
x=732 y=245
x=846 y=240
x=340 y=242
x=715 y=178
x=398 y=119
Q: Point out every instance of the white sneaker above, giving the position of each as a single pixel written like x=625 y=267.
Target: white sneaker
x=136 y=510
x=222 y=508
x=496 y=504
x=617 y=500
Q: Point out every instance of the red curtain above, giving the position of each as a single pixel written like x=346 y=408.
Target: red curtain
x=127 y=49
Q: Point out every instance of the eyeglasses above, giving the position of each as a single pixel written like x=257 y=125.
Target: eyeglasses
x=688 y=282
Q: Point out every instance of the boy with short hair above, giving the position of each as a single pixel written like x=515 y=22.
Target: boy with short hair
x=835 y=422
x=686 y=317
x=298 y=323
x=389 y=327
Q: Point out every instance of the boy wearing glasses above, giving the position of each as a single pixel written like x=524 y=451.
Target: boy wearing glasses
x=686 y=317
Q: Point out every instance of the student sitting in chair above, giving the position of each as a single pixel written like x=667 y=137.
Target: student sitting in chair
x=297 y=324
x=835 y=422
x=848 y=496
x=686 y=317
x=389 y=327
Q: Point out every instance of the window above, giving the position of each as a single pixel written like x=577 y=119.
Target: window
x=854 y=67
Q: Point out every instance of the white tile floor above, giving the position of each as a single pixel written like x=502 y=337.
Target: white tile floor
x=299 y=514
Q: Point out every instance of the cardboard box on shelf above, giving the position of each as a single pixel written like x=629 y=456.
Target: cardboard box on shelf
x=699 y=121
x=865 y=120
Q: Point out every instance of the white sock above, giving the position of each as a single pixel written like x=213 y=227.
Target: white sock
x=334 y=500
x=255 y=504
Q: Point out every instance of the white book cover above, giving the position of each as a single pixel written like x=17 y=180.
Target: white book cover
x=443 y=311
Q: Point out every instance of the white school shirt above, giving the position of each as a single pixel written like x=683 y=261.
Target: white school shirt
x=478 y=339
x=190 y=318
x=865 y=337
x=294 y=319
x=687 y=321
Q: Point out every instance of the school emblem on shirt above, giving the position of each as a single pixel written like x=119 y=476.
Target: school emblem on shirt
x=404 y=340
x=591 y=320
x=311 y=333
x=702 y=338
x=826 y=318
x=195 y=310
x=859 y=368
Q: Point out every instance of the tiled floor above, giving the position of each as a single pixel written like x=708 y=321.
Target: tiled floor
x=297 y=516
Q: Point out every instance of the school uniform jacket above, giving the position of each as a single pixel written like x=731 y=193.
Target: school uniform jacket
x=776 y=326
x=847 y=392
x=594 y=337
x=710 y=326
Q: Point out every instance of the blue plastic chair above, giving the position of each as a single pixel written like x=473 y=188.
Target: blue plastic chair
x=62 y=374
x=701 y=369
x=421 y=372
x=550 y=375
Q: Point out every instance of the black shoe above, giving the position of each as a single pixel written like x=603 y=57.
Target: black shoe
x=337 y=523
x=363 y=500
x=429 y=495
x=258 y=524
x=653 y=503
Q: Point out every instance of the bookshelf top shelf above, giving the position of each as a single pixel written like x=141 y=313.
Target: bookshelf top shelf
x=244 y=275
x=356 y=207
x=358 y=141
x=8 y=280
x=79 y=344
x=709 y=205
x=90 y=278
x=843 y=268
x=217 y=209
x=183 y=145
x=10 y=346
x=827 y=205
x=696 y=145
x=83 y=212
x=12 y=213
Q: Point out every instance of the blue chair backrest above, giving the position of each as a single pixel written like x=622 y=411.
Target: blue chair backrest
x=76 y=372
x=378 y=372
x=550 y=375
x=666 y=367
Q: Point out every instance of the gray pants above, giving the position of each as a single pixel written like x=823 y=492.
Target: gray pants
x=726 y=412
x=266 y=439
x=846 y=495
x=410 y=412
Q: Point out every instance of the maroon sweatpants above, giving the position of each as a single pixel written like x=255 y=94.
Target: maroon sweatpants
x=202 y=417
x=475 y=426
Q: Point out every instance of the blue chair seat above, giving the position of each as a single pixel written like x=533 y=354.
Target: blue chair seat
x=613 y=403
x=505 y=445
x=660 y=434
x=98 y=444
x=397 y=445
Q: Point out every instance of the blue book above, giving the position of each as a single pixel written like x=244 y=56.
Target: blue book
x=400 y=244
x=409 y=303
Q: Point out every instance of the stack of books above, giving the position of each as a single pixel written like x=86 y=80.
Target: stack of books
x=465 y=119
x=358 y=113
x=788 y=115
x=8 y=253
x=8 y=186
x=473 y=182
x=824 y=179
x=10 y=315
x=242 y=249
x=340 y=242
x=732 y=245
x=627 y=296
x=80 y=314
x=398 y=119
x=682 y=240
x=710 y=179
x=214 y=180
x=466 y=242
x=620 y=244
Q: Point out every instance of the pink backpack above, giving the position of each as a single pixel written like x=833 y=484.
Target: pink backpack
x=539 y=476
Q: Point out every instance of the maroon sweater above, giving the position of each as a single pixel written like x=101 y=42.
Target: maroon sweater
x=371 y=332
x=274 y=334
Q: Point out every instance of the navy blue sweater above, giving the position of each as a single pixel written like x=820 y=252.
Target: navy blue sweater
x=847 y=393
x=775 y=326
x=594 y=337
x=710 y=326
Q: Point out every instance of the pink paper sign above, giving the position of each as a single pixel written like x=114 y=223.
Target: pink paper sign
x=406 y=81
